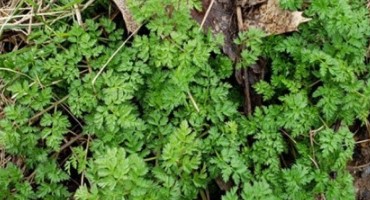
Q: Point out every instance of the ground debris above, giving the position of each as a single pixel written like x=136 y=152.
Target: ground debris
x=221 y=19
x=268 y=16
x=359 y=167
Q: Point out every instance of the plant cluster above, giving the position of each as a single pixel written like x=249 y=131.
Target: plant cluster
x=161 y=120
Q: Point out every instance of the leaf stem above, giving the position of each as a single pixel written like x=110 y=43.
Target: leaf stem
x=16 y=72
x=151 y=158
x=193 y=102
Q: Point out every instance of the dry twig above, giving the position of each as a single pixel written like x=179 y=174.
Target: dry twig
x=206 y=15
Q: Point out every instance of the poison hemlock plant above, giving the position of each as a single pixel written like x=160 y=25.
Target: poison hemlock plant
x=315 y=80
x=161 y=120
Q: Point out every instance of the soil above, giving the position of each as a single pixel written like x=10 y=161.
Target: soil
x=359 y=167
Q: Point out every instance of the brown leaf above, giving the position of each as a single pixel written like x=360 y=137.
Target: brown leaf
x=274 y=20
x=131 y=25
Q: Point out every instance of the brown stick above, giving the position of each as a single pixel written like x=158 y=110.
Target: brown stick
x=69 y=143
x=239 y=17
x=247 y=94
x=34 y=118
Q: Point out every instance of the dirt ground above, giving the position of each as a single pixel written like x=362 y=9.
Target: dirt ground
x=359 y=167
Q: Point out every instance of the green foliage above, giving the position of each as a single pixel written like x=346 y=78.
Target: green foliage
x=161 y=120
x=115 y=176
x=11 y=177
x=252 y=39
x=291 y=4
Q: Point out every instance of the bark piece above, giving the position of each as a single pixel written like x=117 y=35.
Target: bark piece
x=221 y=19
x=131 y=25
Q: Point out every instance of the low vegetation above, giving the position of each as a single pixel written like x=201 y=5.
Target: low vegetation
x=159 y=116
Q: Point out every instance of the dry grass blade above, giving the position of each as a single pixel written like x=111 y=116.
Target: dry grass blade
x=18 y=15
x=206 y=15
x=13 y=5
x=114 y=54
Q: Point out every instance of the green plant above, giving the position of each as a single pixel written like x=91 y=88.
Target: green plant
x=160 y=119
x=315 y=82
